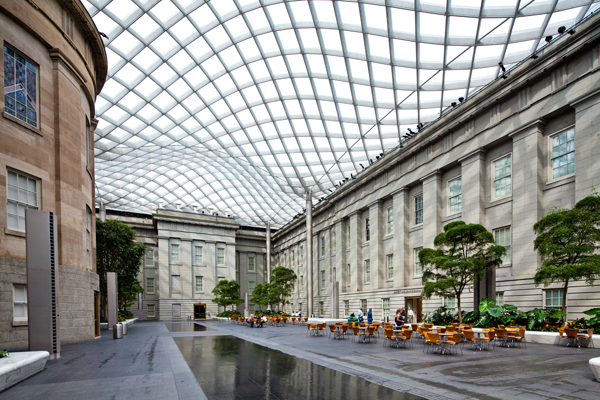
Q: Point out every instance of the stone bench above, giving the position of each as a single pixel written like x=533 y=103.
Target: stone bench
x=21 y=365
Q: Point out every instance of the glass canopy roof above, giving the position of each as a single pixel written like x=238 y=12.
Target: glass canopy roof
x=239 y=107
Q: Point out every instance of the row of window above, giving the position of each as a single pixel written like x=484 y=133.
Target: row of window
x=198 y=255
x=176 y=284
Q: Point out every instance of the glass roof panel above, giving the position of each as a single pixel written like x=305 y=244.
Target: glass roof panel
x=242 y=106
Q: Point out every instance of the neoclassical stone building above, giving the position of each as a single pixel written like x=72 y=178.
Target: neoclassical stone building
x=503 y=159
x=187 y=255
x=54 y=66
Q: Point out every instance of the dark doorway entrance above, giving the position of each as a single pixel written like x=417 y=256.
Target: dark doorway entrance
x=96 y=314
x=200 y=311
x=416 y=303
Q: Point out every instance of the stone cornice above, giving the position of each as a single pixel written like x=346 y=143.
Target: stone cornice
x=474 y=154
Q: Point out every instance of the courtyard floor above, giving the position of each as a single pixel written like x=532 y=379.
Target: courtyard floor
x=153 y=362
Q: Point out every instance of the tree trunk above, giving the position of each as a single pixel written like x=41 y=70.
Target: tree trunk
x=459 y=310
x=564 y=302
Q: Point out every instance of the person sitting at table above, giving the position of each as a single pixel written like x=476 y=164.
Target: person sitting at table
x=260 y=320
x=250 y=321
x=370 y=316
x=399 y=318
x=352 y=319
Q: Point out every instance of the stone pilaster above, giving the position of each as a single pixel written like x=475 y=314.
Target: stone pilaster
x=355 y=258
x=473 y=187
x=163 y=269
x=376 y=245
x=432 y=207
x=587 y=144
x=402 y=264
x=527 y=195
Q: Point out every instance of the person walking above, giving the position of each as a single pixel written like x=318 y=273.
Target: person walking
x=360 y=315
x=398 y=318
x=370 y=317
x=402 y=315
x=411 y=315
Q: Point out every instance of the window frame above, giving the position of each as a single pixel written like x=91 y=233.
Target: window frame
x=494 y=231
x=333 y=244
x=146 y=258
x=322 y=245
x=87 y=142
x=301 y=283
x=323 y=280
x=383 y=307
x=390 y=221
x=172 y=254
x=416 y=261
x=153 y=311
x=560 y=298
x=551 y=177
x=389 y=257
x=446 y=300
x=415 y=210
x=348 y=234
x=367 y=266
x=450 y=197
x=18 y=202
x=201 y=284
x=346 y=308
x=37 y=90
x=220 y=256
x=253 y=264
x=493 y=177
x=196 y=255
x=499 y=295
x=348 y=275
x=24 y=302
x=251 y=289
x=153 y=287
x=173 y=286
x=367 y=228
x=301 y=255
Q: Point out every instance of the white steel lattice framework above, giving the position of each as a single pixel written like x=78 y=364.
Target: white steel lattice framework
x=240 y=106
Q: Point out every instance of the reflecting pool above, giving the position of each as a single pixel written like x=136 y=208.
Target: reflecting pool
x=186 y=327
x=230 y=368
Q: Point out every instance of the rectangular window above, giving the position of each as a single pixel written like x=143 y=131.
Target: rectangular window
x=390 y=220
x=346 y=308
x=554 y=298
x=333 y=243
x=367 y=271
x=367 y=230
x=563 y=154
x=323 y=280
x=363 y=305
x=88 y=236
x=499 y=298
x=198 y=255
x=321 y=308
x=20 y=302
x=455 y=195
x=151 y=310
x=390 y=266
x=174 y=253
x=220 y=256
x=175 y=284
x=20 y=87
x=386 y=307
x=22 y=194
x=149 y=285
x=199 y=287
x=251 y=286
x=502 y=237
x=176 y=310
x=348 y=275
x=450 y=303
x=150 y=258
x=418 y=265
x=348 y=234
x=418 y=209
x=322 y=246
x=251 y=264
x=502 y=177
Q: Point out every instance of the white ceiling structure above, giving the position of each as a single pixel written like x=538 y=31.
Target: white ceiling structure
x=241 y=106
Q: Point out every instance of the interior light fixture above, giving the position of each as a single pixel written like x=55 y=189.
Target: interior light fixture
x=549 y=38
x=502 y=66
x=461 y=99
x=561 y=29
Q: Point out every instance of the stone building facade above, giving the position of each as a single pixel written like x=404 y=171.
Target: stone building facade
x=504 y=158
x=187 y=255
x=54 y=65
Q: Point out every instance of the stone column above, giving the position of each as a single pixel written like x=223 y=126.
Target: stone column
x=402 y=264
x=163 y=291
x=268 y=277
x=102 y=211
x=309 y=255
x=376 y=245
x=432 y=207
x=355 y=259
x=527 y=195
x=340 y=252
x=587 y=144
x=473 y=187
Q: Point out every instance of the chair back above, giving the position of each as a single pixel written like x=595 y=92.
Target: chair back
x=561 y=331
x=456 y=337
x=501 y=326
x=344 y=328
x=375 y=322
x=455 y=324
x=355 y=330
x=468 y=334
x=376 y=328
x=522 y=332
x=331 y=328
x=428 y=325
x=571 y=332
x=590 y=332
x=388 y=333
x=414 y=327
x=363 y=323
x=450 y=328
x=407 y=333
x=433 y=337
x=500 y=332
x=371 y=330
x=441 y=330
x=491 y=334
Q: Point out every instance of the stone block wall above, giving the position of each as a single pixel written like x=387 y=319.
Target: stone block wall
x=76 y=303
x=12 y=271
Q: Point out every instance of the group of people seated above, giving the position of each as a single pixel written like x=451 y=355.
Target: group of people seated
x=400 y=316
x=259 y=319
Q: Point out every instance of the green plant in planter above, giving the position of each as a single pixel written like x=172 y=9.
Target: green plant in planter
x=441 y=317
x=4 y=354
x=490 y=314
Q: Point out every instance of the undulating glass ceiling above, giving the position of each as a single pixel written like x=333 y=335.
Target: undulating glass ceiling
x=240 y=106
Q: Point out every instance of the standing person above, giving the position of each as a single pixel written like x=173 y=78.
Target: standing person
x=360 y=315
x=398 y=318
x=402 y=315
x=370 y=316
x=411 y=315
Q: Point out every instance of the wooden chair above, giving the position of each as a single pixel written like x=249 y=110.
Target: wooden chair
x=561 y=332
x=520 y=337
x=405 y=337
x=450 y=328
x=488 y=338
x=588 y=337
x=501 y=337
x=344 y=330
x=454 y=342
x=414 y=327
x=311 y=329
x=455 y=324
x=332 y=328
x=357 y=334
x=431 y=340
x=371 y=332
x=470 y=337
x=571 y=334
x=389 y=335
x=321 y=327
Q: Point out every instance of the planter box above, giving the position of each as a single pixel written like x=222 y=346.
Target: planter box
x=20 y=366
x=546 y=337
x=595 y=366
x=104 y=325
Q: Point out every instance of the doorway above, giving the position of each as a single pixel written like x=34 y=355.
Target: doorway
x=96 y=314
x=416 y=303
x=200 y=311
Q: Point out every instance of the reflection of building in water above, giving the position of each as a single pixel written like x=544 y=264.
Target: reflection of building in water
x=188 y=254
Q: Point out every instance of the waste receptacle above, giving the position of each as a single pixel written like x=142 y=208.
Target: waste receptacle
x=118 y=331
x=125 y=329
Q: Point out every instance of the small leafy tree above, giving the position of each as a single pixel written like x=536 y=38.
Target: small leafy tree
x=227 y=293
x=117 y=251
x=461 y=255
x=282 y=284
x=568 y=242
x=260 y=295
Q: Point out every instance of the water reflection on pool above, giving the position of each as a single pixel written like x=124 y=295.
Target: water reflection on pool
x=230 y=368
x=186 y=327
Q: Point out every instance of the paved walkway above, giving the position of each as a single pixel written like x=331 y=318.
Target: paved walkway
x=147 y=364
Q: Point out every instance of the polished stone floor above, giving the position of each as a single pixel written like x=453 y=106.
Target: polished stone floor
x=283 y=362
x=186 y=327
